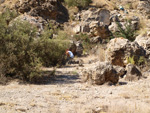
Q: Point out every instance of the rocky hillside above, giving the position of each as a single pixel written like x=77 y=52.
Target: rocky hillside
x=115 y=32
x=88 y=27
x=47 y=9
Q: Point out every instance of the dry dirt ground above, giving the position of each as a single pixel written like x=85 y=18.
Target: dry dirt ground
x=68 y=94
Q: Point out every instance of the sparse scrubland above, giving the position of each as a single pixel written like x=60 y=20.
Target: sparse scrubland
x=109 y=73
x=22 y=52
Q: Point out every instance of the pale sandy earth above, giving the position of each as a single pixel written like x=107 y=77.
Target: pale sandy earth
x=68 y=94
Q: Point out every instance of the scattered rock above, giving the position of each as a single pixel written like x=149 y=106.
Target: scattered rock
x=133 y=73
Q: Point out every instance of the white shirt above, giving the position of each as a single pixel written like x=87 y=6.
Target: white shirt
x=70 y=54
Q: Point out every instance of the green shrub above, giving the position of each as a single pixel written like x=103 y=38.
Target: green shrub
x=9 y=15
x=78 y=3
x=62 y=35
x=22 y=53
x=17 y=51
x=128 y=32
x=51 y=51
x=84 y=38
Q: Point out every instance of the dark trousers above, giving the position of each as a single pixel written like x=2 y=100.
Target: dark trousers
x=69 y=60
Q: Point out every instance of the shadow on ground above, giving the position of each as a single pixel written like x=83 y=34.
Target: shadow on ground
x=57 y=77
x=66 y=79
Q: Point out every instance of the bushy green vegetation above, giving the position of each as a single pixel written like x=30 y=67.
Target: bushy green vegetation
x=17 y=51
x=22 y=53
x=51 y=51
x=85 y=39
x=78 y=3
x=127 y=31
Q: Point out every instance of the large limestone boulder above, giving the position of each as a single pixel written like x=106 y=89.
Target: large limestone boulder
x=120 y=49
x=133 y=73
x=100 y=73
x=47 y=9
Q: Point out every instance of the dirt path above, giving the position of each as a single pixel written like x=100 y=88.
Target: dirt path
x=67 y=94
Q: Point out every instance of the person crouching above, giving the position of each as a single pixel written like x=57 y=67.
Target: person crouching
x=70 y=56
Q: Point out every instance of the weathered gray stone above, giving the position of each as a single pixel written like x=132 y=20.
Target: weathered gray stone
x=133 y=73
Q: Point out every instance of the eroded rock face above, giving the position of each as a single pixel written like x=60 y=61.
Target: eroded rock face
x=94 y=21
x=100 y=73
x=120 y=49
x=48 y=9
x=144 y=7
x=133 y=73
